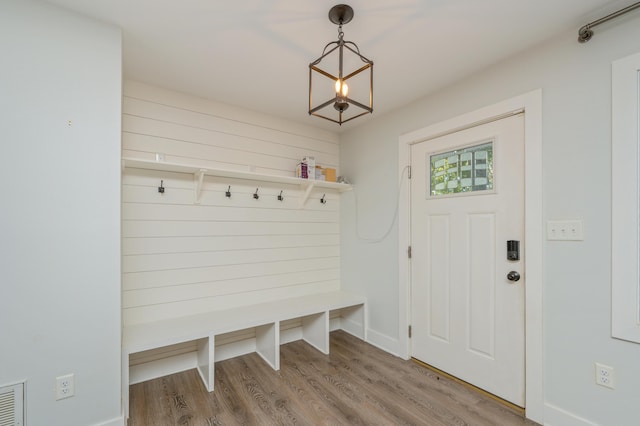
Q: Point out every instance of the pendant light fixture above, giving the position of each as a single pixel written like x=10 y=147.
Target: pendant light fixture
x=342 y=89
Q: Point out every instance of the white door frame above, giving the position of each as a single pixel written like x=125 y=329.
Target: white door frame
x=531 y=103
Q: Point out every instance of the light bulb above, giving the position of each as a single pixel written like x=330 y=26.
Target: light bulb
x=342 y=88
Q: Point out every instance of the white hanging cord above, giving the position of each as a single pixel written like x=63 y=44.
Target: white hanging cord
x=395 y=212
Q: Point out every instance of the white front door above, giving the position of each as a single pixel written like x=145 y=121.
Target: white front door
x=467 y=201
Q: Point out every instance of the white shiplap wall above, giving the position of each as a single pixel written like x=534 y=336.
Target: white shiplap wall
x=183 y=258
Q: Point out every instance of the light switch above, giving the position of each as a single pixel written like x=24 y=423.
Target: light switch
x=565 y=230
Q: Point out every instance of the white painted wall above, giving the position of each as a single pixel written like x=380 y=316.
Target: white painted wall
x=576 y=84
x=181 y=258
x=60 y=213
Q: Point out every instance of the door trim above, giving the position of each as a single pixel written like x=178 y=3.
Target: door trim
x=532 y=104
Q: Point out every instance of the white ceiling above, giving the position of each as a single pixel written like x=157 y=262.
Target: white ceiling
x=255 y=53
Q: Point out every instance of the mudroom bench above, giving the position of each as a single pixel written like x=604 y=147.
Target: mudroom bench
x=313 y=310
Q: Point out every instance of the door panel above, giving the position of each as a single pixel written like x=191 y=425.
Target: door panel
x=481 y=279
x=467 y=200
x=439 y=275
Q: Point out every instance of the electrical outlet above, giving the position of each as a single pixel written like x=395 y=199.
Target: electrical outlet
x=65 y=386
x=604 y=375
x=565 y=230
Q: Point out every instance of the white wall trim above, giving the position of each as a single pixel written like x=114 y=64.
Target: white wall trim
x=532 y=104
x=625 y=192
x=163 y=367
x=555 y=416
x=118 y=421
x=384 y=342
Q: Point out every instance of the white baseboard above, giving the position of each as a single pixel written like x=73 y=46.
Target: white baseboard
x=162 y=367
x=384 y=342
x=556 y=416
x=290 y=335
x=335 y=324
x=118 y=421
x=235 y=349
x=352 y=327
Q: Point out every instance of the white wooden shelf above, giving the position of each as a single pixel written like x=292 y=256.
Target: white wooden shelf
x=198 y=176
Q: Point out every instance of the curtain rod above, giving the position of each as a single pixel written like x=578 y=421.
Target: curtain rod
x=585 y=33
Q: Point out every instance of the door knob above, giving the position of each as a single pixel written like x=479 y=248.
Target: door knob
x=513 y=276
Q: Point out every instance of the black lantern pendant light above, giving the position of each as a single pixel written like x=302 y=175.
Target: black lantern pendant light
x=340 y=85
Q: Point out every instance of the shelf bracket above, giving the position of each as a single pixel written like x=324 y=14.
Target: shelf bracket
x=307 y=192
x=198 y=178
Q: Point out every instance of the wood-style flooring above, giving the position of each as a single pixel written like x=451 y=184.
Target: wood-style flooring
x=357 y=384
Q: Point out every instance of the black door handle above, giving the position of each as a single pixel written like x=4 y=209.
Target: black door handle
x=513 y=276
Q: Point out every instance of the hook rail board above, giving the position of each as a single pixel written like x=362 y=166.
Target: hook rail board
x=199 y=173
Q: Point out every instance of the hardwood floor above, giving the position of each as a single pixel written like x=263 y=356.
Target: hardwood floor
x=357 y=384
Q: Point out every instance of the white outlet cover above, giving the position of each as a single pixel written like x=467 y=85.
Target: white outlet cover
x=65 y=386
x=604 y=375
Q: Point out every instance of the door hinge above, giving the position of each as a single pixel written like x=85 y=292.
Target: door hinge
x=409 y=252
x=409 y=172
x=409 y=332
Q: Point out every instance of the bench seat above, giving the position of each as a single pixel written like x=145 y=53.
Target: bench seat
x=314 y=310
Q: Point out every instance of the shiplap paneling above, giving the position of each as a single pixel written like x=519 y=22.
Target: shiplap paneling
x=185 y=292
x=162 y=278
x=261 y=125
x=221 y=131
x=152 y=245
x=142 y=313
x=181 y=258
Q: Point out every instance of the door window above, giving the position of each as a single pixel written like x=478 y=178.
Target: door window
x=468 y=169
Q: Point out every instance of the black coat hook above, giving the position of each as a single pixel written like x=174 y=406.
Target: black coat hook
x=255 y=194
x=323 y=200
x=228 y=192
x=161 y=188
x=280 y=197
